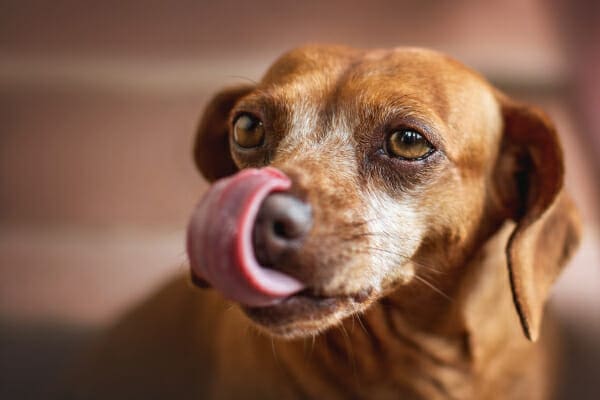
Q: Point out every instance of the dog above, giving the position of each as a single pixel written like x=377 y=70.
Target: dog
x=384 y=224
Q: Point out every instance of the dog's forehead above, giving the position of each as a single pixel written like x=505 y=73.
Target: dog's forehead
x=380 y=83
x=328 y=71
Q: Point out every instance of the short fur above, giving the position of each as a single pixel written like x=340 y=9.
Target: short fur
x=426 y=277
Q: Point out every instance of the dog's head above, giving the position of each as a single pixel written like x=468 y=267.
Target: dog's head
x=387 y=170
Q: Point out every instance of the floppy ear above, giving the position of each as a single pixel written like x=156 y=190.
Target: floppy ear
x=529 y=177
x=211 y=148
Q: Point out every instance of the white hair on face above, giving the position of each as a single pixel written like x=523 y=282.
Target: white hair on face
x=394 y=226
x=306 y=139
x=395 y=232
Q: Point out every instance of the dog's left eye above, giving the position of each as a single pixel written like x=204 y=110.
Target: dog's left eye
x=408 y=145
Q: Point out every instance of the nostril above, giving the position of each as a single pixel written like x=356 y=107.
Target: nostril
x=292 y=225
x=282 y=230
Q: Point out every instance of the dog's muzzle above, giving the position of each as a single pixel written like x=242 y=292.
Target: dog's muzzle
x=241 y=229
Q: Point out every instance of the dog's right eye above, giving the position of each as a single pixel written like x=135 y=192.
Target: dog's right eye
x=248 y=131
x=408 y=145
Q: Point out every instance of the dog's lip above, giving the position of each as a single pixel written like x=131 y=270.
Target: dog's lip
x=304 y=304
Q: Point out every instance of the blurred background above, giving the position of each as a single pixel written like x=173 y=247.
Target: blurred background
x=98 y=106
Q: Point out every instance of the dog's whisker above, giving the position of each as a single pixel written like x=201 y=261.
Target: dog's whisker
x=433 y=287
x=426 y=267
x=418 y=263
x=350 y=350
x=244 y=78
x=248 y=332
x=362 y=222
x=351 y=237
x=360 y=322
x=358 y=224
x=361 y=235
x=312 y=345
x=274 y=350
x=347 y=341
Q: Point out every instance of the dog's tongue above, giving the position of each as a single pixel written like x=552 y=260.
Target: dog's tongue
x=219 y=239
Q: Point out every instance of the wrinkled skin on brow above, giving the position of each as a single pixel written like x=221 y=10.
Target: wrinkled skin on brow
x=380 y=223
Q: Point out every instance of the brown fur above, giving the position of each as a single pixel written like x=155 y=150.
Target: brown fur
x=433 y=307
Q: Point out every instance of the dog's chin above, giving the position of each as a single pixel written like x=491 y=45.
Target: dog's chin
x=305 y=314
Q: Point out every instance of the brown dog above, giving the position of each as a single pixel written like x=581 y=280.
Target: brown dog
x=402 y=245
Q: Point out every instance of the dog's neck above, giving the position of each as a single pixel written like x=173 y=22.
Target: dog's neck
x=388 y=351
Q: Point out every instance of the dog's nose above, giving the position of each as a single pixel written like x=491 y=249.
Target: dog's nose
x=282 y=222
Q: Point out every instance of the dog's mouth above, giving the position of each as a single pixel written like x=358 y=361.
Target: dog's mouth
x=219 y=244
x=306 y=313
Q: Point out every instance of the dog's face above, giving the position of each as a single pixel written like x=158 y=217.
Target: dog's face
x=402 y=157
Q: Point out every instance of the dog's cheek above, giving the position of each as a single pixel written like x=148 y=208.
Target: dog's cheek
x=395 y=233
x=332 y=257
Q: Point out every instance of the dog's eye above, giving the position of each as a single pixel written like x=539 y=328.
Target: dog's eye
x=248 y=131
x=408 y=144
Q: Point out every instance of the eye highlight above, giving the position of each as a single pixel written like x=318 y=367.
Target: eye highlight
x=248 y=131
x=408 y=144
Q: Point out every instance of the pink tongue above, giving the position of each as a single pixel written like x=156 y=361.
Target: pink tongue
x=219 y=239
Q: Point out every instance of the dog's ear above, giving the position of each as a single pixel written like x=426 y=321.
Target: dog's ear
x=529 y=178
x=211 y=148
